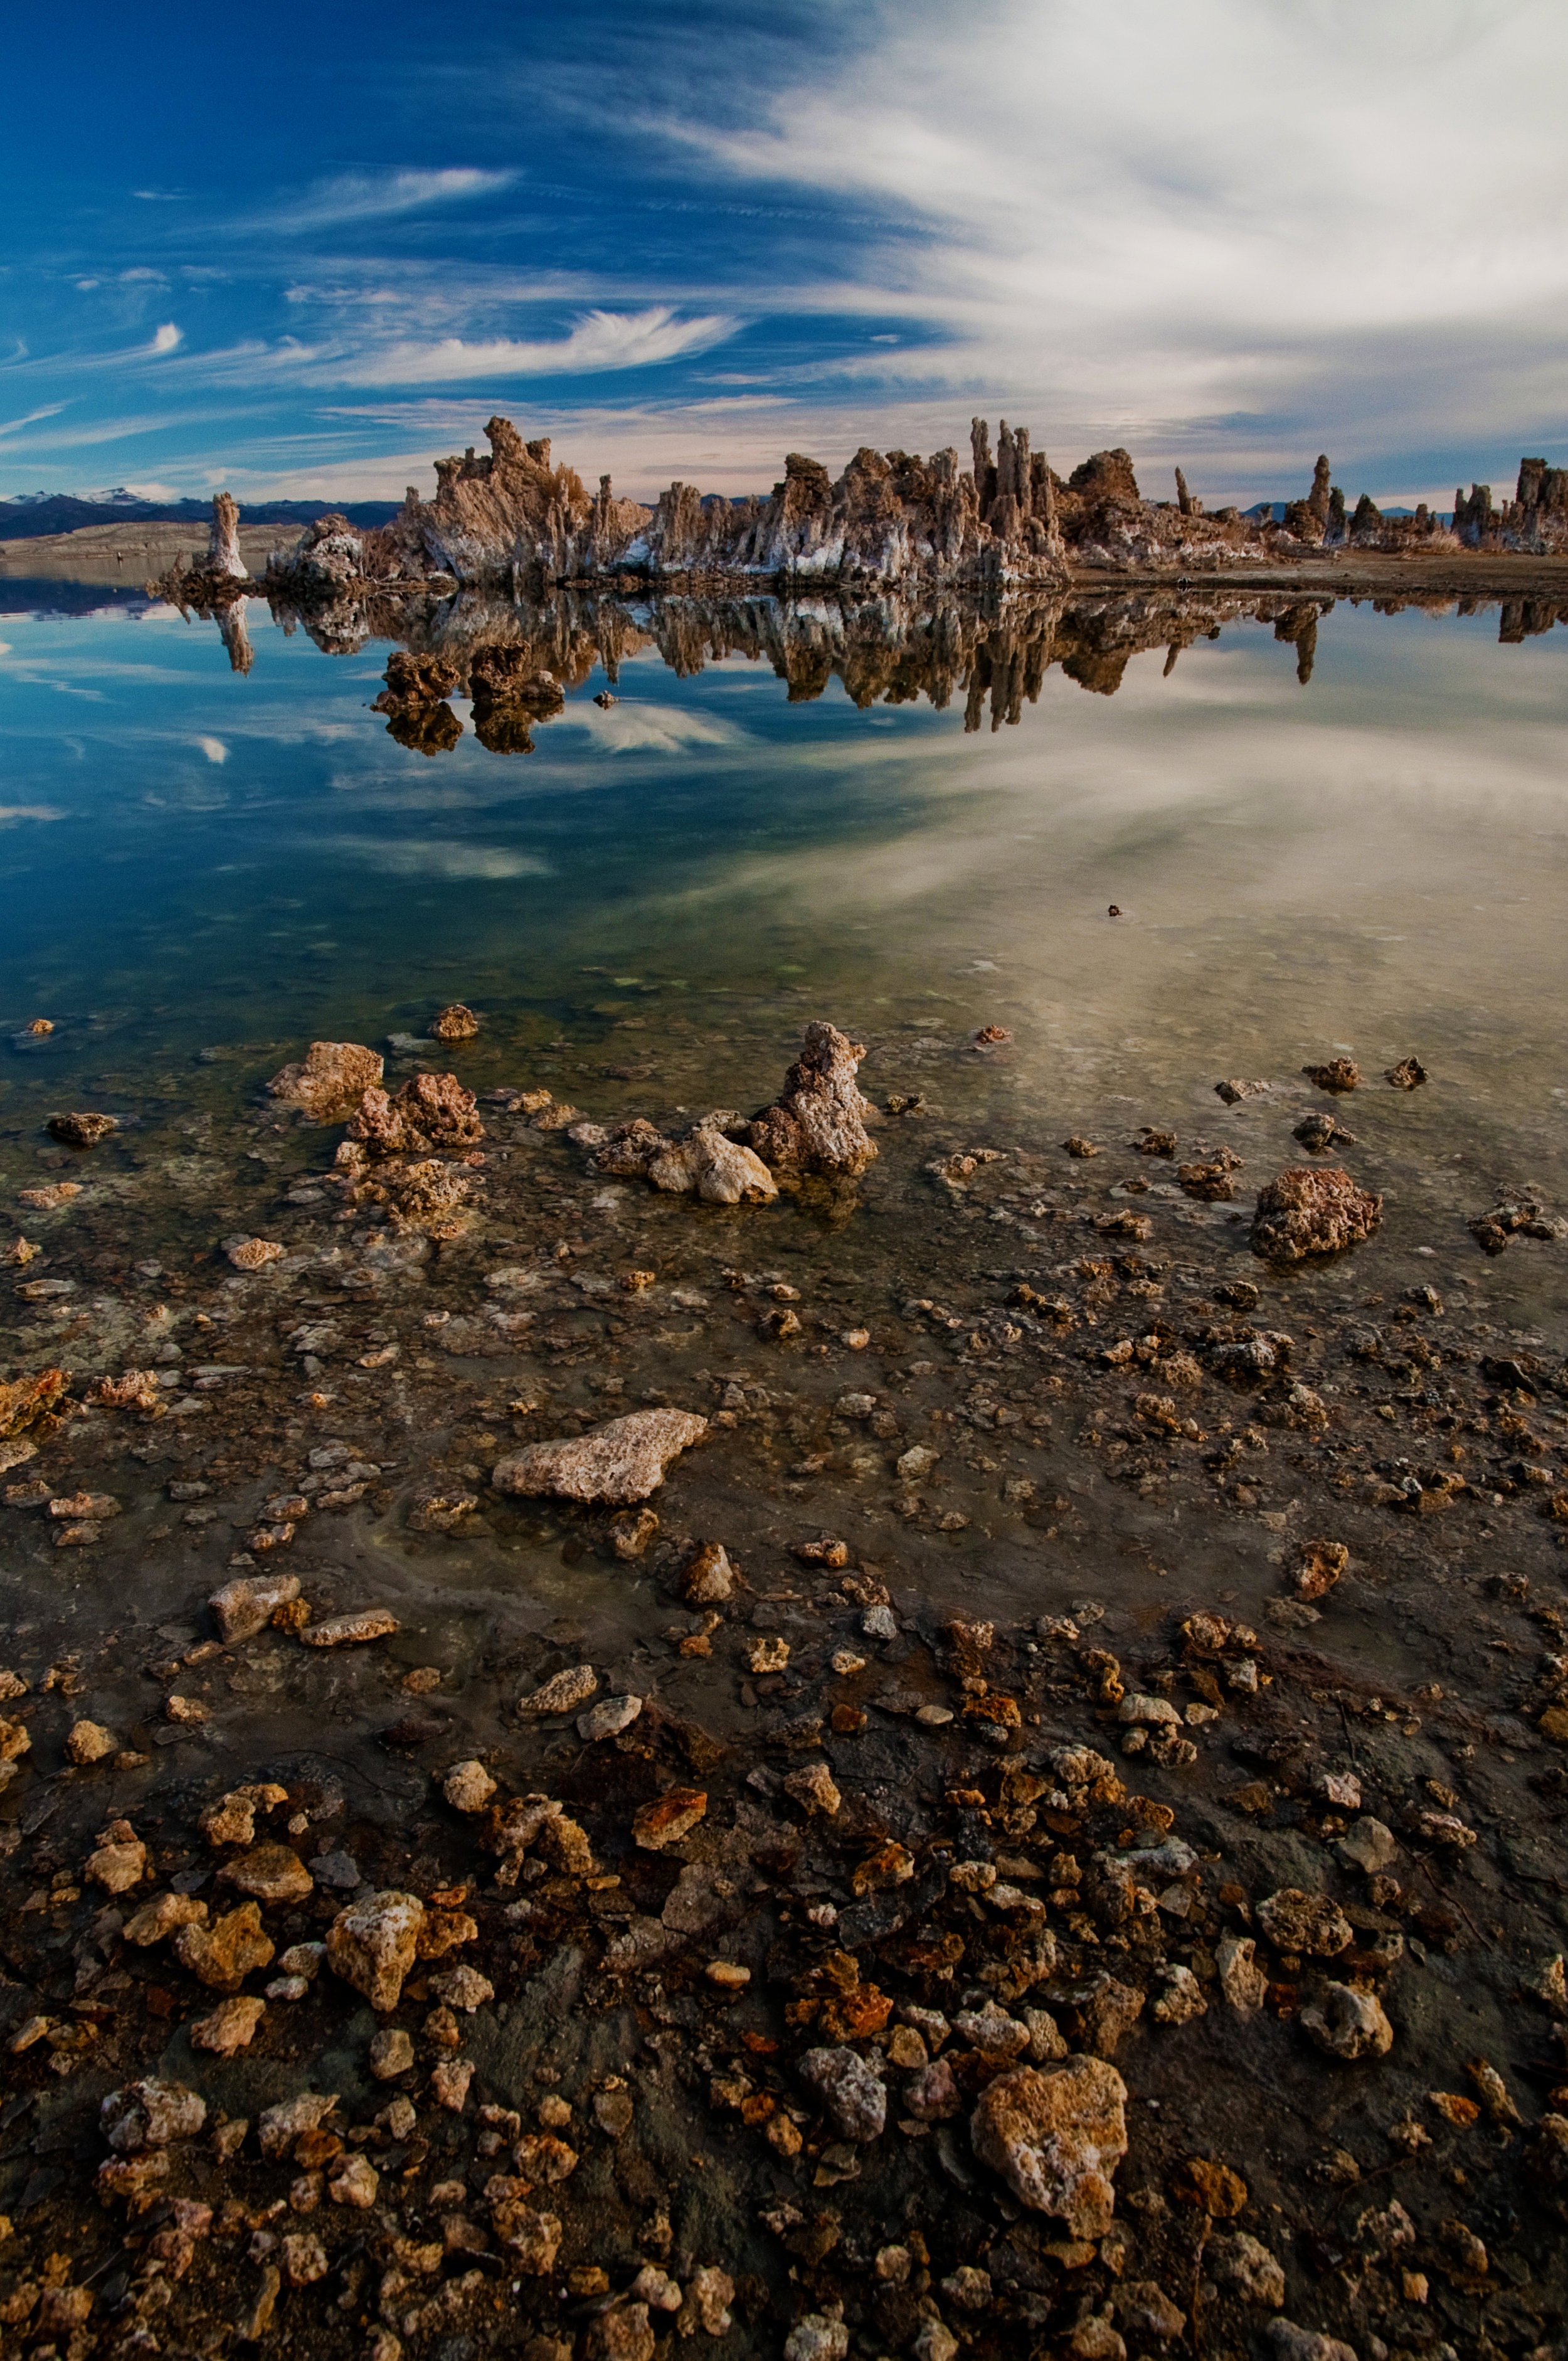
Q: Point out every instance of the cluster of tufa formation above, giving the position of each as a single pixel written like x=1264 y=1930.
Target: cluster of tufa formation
x=514 y=515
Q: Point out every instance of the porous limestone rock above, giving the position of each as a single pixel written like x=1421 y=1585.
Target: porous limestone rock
x=230 y=2027
x=272 y=1873
x=1368 y=1845
x=431 y=1111
x=668 y=1817
x=392 y=2053
x=223 y=558
x=607 y=1719
x=163 y=1917
x=89 y=1741
x=1056 y=2138
x=243 y=1607
x=615 y=1465
x=1307 y=1211
x=815 y=1789
x=716 y=1169
x=562 y=1692
x=851 y=2089
x=817 y=1123
x=223 y=1954
x=1319 y=1565
x=467 y=1786
x=253 y=1253
x=1311 y=1923
x=331 y=1078
x=1288 y=2342
x=345 y=1630
x=119 y=1861
x=82 y=1130
x=1245 y=2263
x=1349 y=2024
x=1242 y=1981
x=373 y=1944
x=149 y=2113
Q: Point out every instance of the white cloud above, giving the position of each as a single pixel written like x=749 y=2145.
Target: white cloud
x=214 y=749
x=633 y=729
x=1159 y=224
x=15 y=426
x=601 y=340
x=362 y=196
x=167 y=339
x=424 y=856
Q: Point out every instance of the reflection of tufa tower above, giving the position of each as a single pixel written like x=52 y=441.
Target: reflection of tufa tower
x=223 y=542
x=235 y=637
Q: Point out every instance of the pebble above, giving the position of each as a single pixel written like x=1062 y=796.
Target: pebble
x=1349 y=2024
x=563 y=1693
x=609 y=1717
x=850 y=2088
x=231 y=2026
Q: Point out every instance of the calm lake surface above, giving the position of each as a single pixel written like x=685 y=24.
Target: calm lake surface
x=198 y=860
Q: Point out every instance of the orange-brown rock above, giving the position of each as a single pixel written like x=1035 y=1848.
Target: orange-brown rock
x=334 y=1074
x=1311 y=1212
x=431 y=1111
x=223 y=1954
x=1057 y=2138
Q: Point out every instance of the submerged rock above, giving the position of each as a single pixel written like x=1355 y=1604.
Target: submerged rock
x=1307 y=1212
x=615 y=1465
x=82 y=1130
x=817 y=1123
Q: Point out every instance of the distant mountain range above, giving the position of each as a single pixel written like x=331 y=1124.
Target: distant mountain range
x=33 y=514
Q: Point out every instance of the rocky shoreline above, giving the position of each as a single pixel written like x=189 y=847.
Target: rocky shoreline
x=621 y=1732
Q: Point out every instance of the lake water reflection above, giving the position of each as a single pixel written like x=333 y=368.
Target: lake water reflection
x=1370 y=858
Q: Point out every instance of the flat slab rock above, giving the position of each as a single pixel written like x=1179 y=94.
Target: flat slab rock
x=616 y=1463
x=343 y=1630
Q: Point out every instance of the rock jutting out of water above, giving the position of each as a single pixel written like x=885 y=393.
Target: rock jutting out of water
x=1312 y=1210
x=817 y=1121
x=514 y=513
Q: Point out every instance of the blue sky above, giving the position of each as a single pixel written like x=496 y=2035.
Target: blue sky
x=302 y=251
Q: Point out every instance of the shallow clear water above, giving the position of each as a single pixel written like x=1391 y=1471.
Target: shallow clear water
x=199 y=859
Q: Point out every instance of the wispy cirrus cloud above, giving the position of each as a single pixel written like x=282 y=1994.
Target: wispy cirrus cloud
x=599 y=341
x=16 y=426
x=378 y=196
